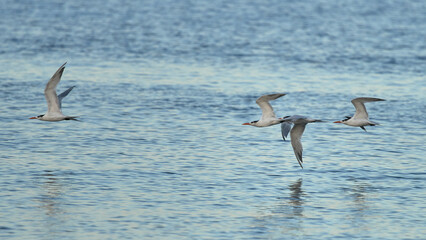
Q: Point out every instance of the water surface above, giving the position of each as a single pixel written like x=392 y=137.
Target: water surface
x=162 y=89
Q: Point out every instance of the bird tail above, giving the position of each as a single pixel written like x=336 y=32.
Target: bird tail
x=371 y=123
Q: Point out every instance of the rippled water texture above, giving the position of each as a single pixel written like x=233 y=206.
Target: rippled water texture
x=162 y=88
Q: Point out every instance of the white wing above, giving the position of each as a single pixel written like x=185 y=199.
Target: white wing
x=64 y=94
x=263 y=102
x=285 y=129
x=296 y=135
x=53 y=103
x=360 y=110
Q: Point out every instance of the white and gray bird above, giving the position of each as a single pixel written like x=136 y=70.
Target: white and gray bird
x=299 y=124
x=54 y=102
x=360 y=119
x=268 y=116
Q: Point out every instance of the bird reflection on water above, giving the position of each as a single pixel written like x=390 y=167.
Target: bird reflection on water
x=51 y=202
x=287 y=214
x=359 y=194
x=296 y=198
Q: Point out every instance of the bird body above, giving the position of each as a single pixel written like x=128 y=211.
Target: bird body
x=54 y=102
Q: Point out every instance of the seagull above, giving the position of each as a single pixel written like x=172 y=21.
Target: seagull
x=296 y=132
x=268 y=116
x=360 y=119
x=54 y=101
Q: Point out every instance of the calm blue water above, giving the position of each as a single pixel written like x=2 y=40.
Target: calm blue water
x=162 y=88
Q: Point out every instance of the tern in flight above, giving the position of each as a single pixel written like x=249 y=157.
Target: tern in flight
x=268 y=116
x=296 y=132
x=53 y=100
x=360 y=119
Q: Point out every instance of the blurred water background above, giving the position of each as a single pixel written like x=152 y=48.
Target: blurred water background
x=162 y=88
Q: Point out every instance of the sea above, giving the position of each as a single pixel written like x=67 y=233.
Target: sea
x=162 y=88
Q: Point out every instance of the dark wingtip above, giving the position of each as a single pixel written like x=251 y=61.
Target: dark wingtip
x=299 y=159
x=73 y=118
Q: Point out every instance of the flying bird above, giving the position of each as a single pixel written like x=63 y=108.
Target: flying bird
x=268 y=116
x=360 y=119
x=54 y=102
x=299 y=124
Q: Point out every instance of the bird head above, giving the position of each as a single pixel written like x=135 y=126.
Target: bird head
x=344 y=120
x=251 y=123
x=38 y=117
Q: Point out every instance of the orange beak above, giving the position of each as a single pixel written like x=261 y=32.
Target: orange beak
x=33 y=118
x=246 y=123
x=337 y=122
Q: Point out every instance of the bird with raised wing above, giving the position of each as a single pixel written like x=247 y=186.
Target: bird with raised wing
x=268 y=116
x=299 y=124
x=54 y=102
x=360 y=119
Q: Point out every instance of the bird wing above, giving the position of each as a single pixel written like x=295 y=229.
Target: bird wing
x=296 y=136
x=64 y=94
x=53 y=103
x=360 y=110
x=263 y=102
x=285 y=129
